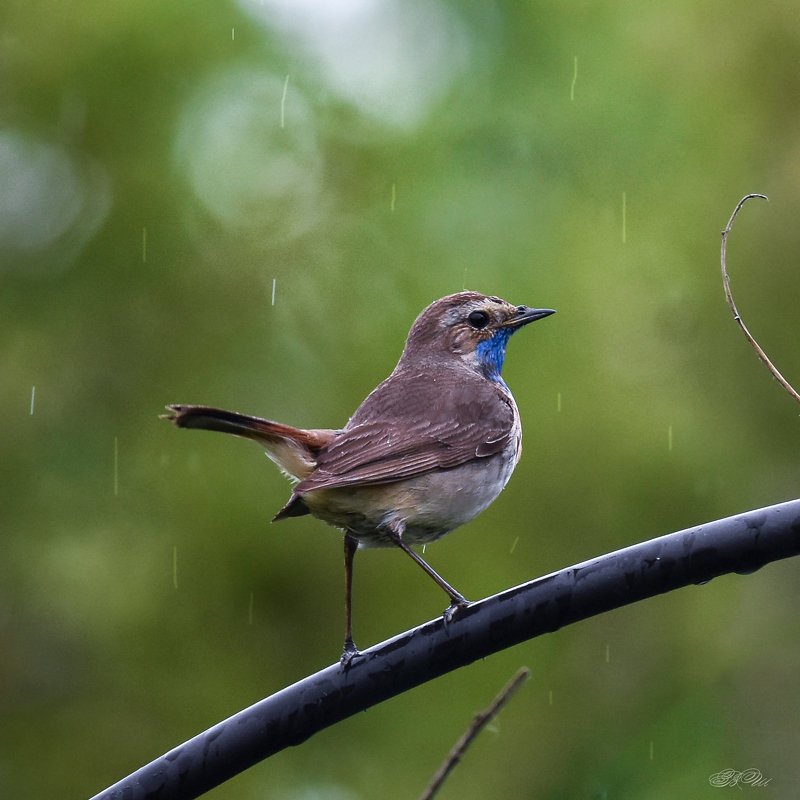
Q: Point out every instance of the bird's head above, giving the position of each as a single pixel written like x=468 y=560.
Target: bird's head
x=471 y=327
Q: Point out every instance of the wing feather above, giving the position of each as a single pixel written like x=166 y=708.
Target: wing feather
x=408 y=427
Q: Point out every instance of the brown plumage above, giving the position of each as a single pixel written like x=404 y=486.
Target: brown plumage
x=425 y=452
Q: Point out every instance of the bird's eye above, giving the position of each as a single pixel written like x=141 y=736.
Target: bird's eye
x=478 y=319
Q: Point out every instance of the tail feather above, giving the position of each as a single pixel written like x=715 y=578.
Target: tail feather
x=294 y=450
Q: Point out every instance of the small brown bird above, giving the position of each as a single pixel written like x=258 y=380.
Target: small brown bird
x=429 y=449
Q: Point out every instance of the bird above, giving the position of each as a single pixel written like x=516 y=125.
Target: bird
x=428 y=450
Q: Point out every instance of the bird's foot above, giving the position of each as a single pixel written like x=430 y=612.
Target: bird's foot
x=456 y=605
x=349 y=652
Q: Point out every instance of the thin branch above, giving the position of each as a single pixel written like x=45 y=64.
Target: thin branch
x=741 y=544
x=479 y=722
x=726 y=282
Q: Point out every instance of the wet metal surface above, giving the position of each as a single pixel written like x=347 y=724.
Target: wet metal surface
x=740 y=544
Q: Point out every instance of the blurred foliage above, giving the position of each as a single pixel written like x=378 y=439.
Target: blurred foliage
x=166 y=167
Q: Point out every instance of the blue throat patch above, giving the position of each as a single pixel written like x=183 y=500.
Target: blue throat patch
x=492 y=353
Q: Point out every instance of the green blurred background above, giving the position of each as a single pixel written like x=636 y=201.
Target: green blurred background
x=166 y=167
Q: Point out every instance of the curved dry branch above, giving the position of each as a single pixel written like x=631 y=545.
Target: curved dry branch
x=741 y=544
x=726 y=283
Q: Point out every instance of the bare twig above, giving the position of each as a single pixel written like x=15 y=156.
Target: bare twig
x=479 y=722
x=726 y=282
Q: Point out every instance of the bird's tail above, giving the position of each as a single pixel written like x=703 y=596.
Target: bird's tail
x=294 y=450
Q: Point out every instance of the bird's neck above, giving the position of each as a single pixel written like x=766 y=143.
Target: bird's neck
x=491 y=354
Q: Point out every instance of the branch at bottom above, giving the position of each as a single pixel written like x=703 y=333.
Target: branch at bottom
x=740 y=544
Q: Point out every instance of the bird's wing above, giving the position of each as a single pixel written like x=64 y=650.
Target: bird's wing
x=408 y=427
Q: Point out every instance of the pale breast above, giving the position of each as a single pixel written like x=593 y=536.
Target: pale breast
x=430 y=505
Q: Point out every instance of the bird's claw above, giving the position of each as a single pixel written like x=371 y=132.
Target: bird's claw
x=457 y=605
x=349 y=653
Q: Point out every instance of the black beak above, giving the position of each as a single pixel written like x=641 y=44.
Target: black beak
x=525 y=315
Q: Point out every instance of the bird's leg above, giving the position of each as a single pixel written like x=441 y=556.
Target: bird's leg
x=457 y=600
x=350 y=650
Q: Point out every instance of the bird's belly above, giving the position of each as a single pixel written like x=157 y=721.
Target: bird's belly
x=430 y=505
